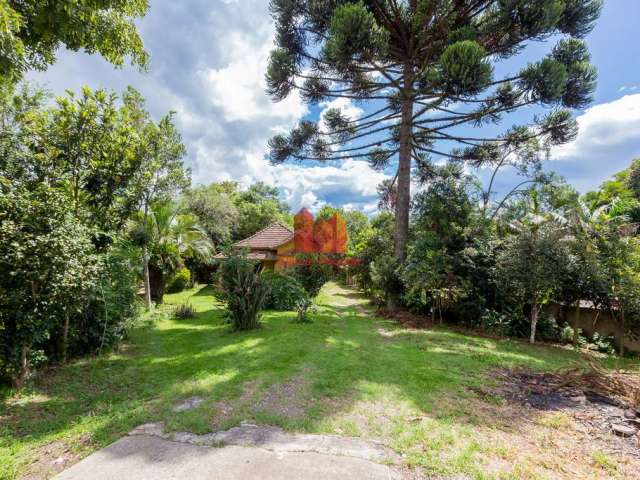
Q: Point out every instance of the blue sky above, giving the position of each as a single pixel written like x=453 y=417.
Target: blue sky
x=207 y=64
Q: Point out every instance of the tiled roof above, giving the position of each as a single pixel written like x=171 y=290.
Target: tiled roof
x=269 y=238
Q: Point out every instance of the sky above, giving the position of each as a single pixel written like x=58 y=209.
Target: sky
x=208 y=59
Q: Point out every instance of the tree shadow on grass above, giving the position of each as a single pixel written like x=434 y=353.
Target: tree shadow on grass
x=342 y=355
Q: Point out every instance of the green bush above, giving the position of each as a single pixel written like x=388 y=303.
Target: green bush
x=245 y=292
x=304 y=308
x=285 y=292
x=180 y=280
x=311 y=274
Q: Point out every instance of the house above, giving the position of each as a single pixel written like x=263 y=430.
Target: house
x=277 y=246
x=271 y=246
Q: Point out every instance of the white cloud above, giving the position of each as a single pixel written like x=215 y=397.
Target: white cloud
x=603 y=126
x=209 y=68
x=239 y=87
x=608 y=139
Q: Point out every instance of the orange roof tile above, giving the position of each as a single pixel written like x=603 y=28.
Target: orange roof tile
x=269 y=238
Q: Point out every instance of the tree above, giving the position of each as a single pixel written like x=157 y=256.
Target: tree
x=216 y=211
x=160 y=176
x=426 y=68
x=94 y=151
x=533 y=262
x=442 y=217
x=170 y=235
x=32 y=31
x=258 y=206
x=48 y=270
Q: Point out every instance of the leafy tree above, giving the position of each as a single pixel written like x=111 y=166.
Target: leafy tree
x=160 y=177
x=94 y=152
x=426 y=68
x=533 y=262
x=375 y=242
x=48 y=270
x=216 y=211
x=442 y=219
x=258 y=206
x=170 y=236
x=32 y=31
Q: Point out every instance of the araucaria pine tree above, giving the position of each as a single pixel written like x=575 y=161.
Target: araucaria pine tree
x=426 y=69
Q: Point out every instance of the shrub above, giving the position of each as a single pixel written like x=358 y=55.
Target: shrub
x=387 y=282
x=179 y=281
x=495 y=323
x=312 y=275
x=185 y=311
x=285 y=292
x=304 y=307
x=245 y=292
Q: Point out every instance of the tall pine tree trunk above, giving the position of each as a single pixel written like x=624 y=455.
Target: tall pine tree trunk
x=404 y=168
x=534 y=322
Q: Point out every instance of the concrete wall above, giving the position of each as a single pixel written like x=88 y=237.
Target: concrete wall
x=594 y=321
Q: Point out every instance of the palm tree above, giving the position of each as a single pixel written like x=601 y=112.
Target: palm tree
x=170 y=236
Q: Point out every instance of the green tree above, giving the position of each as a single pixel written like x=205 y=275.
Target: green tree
x=32 y=32
x=426 y=68
x=170 y=236
x=258 y=206
x=160 y=176
x=442 y=219
x=533 y=262
x=216 y=211
x=48 y=271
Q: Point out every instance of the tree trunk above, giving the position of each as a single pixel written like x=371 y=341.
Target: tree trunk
x=156 y=284
x=534 y=322
x=147 y=283
x=404 y=168
x=65 y=337
x=23 y=373
x=576 y=326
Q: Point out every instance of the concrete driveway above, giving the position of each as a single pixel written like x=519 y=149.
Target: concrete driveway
x=249 y=452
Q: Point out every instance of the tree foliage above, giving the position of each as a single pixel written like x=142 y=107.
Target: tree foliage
x=32 y=32
x=427 y=68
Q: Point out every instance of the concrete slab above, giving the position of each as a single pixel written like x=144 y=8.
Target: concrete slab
x=146 y=457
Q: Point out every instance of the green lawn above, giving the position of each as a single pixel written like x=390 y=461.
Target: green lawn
x=346 y=373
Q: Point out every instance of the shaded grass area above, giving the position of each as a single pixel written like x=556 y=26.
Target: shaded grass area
x=343 y=374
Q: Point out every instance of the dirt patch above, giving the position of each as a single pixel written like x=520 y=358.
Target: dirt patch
x=54 y=458
x=597 y=413
x=286 y=399
x=552 y=427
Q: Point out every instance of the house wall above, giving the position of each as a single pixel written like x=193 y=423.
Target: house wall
x=285 y=255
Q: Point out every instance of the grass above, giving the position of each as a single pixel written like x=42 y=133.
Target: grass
x=337 y=374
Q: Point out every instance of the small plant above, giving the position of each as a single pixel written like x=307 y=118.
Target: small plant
x=495 y=323
x=184 y=311
x=245 y=292
x=304 y=308
x=604 y=344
